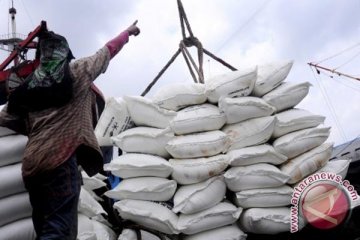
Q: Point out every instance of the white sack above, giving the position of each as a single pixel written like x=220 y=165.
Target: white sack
x=261 y=175
x=220 y=215
x=270 y=75
x=85 y=229
x=287 y=95
x=22 y=229
x=196 y=145
x=232 y=84
x=244 y=108
x=103 y=232
x=190 y=171
x=199 y=118
x=179 y=95
x=232 y=232
x=149 y=214
x=307 y=163
x=256 y=154
x=14 y=207
x=11 y=180
x=130 y=234
x=144 y=140
x=113 y=120
x=264 y=197
x=295 y=119
x=265 y=220
x=250 y=132
x=199 y=196
x=146 y=113
x=91 y=183
x=139 y=165
x=4 y=131
x=12 y=149
x=296 y=143
x=89 y=206
x=340 y=167
x=144 y=188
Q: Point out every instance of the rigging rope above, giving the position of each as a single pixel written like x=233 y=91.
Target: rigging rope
x=339 y=53
x=330 y=107
x=185 y=43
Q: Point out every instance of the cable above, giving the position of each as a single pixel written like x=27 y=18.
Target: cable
x=332 y=77
x=332 y=110
x=266 y=2
x=27 y=13
x=339 y=53
x=348 y=61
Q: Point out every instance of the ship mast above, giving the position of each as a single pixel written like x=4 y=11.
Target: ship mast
x=9 y=42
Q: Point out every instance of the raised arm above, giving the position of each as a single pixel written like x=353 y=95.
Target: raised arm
x=119 y=41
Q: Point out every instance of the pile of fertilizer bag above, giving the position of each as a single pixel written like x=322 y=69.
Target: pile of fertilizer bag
x=15 y=208
x=217 y=160
x=200 y=161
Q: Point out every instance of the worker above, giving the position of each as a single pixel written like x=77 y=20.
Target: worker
x=61 y=138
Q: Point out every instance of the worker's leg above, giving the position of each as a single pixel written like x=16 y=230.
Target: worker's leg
x=54 y=197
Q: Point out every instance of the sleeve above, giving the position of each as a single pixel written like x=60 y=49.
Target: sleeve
x=12 y=122
x=91 y=67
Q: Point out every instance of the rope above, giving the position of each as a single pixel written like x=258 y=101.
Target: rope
x=331 y=108
x=161 y=72
x=339 y=53
x=184 y=44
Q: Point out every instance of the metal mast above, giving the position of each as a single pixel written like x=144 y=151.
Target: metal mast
x=10 y=41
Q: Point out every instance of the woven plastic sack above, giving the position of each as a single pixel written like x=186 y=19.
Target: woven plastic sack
x=180 y=95
x=232 y=84
x=270 y=75
x=244 y=108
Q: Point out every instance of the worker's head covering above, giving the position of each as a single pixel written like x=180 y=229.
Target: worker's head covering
x=50 y=85
x=54 y=54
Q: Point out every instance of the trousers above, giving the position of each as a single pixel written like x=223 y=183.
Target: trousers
x=54 y=197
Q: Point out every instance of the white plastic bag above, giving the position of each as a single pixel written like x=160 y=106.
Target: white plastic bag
x=296 y=143
x=307 y=163
x=145 y=140
x=199 y=196
x=190 y=171
x=179 y=95
x=205 y=144
x=198 y=118
x=146 y=113
x=261 y=175
x=264 y=153
x=113 y=120
x=232 y=84
x=131 y=165
x=270 y=75
x=251 y=132
x=266 y=220
x=232 y=232
x=287 y=95
x=264 y=197
x=220 y=215
x=148 y=214
x=244 y=108
x=144 y=188
x=295 y=119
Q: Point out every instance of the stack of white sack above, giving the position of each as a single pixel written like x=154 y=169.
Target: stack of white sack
x=15 y=208
x=92 y=218
x=145 y=186
x=198 y=159
x=273 y=145
x=240 y=132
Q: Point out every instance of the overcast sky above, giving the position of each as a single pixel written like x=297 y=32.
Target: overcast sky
x=238 y=31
